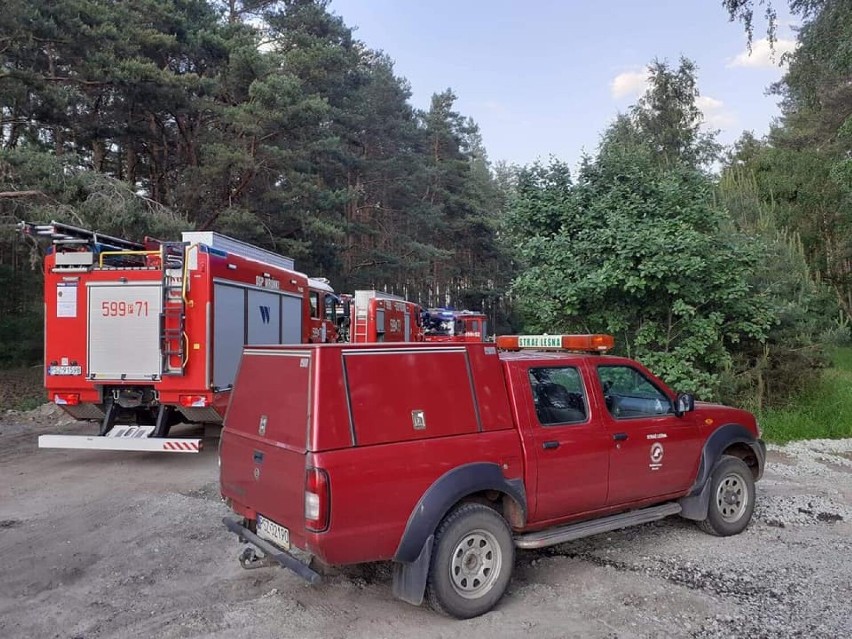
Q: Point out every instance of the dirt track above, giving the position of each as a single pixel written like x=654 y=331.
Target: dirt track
x=100 y=544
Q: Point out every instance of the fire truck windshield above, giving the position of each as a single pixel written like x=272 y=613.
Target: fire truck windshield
x=444 y=322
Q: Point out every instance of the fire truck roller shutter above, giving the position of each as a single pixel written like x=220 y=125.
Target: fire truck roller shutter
x=380 y=325
x=124 y=330
x=407 y=326
x=228 y=331
x=264 y=318
x=291 y=315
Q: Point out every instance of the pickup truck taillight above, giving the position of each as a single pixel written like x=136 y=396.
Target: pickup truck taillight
x=317 y=499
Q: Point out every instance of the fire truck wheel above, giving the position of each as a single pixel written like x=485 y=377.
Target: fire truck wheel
x=731 y=498
x=472 y=561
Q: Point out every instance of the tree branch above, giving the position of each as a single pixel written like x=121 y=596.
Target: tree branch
x=14 y=194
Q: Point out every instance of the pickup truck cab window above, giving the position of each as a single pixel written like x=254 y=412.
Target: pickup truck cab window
x=558 y=395
x=629 y=394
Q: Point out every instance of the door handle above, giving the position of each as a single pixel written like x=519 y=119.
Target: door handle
x=550 y=445
x=620 y=437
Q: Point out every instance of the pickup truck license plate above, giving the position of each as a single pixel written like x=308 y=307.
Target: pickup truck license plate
x=273 y=532
x=64 y=370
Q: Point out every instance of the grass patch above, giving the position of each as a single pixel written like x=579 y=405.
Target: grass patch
x=22 y=388
x=28 y=403
x=824 y=411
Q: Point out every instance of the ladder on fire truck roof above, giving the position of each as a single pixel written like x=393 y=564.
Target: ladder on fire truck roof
x=60 y=233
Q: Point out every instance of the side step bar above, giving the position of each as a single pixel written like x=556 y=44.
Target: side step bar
x=100 y=442
x=553 y=536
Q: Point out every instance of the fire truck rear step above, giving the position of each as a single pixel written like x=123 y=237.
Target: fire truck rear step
x=129 y=441
x=562 y=534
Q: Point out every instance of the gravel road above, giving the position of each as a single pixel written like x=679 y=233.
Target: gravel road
x=100 y=544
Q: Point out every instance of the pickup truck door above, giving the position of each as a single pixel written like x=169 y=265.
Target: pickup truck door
x=569 y=449
x=653 y=451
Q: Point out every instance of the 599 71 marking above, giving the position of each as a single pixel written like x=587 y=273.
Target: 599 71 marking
x=124 y=309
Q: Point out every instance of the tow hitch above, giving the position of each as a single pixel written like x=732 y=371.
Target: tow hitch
x=249 y=559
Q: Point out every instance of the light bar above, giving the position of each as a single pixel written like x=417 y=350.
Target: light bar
x=584 y=343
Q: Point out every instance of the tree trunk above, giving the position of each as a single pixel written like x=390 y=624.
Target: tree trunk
x=98 y=155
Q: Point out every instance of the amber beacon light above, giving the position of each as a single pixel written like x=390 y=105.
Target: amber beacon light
x=583 y=343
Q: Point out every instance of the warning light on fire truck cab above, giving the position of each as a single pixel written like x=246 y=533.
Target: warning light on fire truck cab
x=583 y=343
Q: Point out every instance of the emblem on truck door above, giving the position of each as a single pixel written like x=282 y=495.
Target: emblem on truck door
x=418 y=420
x=261 y=429
x=656 y=456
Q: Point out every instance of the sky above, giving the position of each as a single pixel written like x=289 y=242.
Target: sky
x=546 y=77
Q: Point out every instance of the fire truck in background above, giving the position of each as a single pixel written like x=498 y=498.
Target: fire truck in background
x=375 y=316
x=449 y=325
x=140 y=336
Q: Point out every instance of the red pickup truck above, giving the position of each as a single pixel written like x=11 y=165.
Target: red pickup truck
x=445 y=458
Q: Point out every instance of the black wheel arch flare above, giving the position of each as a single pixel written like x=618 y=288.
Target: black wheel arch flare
x=444 y=493
x=695 y=504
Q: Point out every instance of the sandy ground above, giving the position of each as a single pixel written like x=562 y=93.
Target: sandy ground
x=102 y=544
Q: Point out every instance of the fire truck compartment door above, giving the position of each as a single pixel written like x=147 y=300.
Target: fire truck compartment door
x=229 y=327
x=291 y=320
x=407 y=327
x=124 y=331
x=264 y=318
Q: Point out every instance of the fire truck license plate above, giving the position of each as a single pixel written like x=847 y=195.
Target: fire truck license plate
x=64 y=370
x=275 y=533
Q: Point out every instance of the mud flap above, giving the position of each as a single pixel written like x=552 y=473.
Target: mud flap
x=409 y=579
x=695 y=506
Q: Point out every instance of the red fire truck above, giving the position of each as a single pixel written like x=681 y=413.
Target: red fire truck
x=140 y=336
x=381 y=317
x=449 y=325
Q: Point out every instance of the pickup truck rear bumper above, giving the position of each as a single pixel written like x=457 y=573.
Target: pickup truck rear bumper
x=271 y=551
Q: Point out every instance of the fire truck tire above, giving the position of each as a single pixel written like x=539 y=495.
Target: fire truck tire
x=731 y=498
x=472 y=561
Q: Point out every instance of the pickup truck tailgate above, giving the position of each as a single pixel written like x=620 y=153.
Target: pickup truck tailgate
x=263 y=449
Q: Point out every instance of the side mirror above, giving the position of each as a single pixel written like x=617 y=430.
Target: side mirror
x=684 y=404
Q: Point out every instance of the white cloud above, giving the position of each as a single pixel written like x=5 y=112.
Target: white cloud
x=497 y=108
x=634 y=83
x=716 y=116
x=705 y=103
x=762 y=56
x=629 y=83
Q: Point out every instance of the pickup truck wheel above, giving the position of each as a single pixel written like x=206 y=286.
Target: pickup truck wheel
x=731 y=498
x=472 y=562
